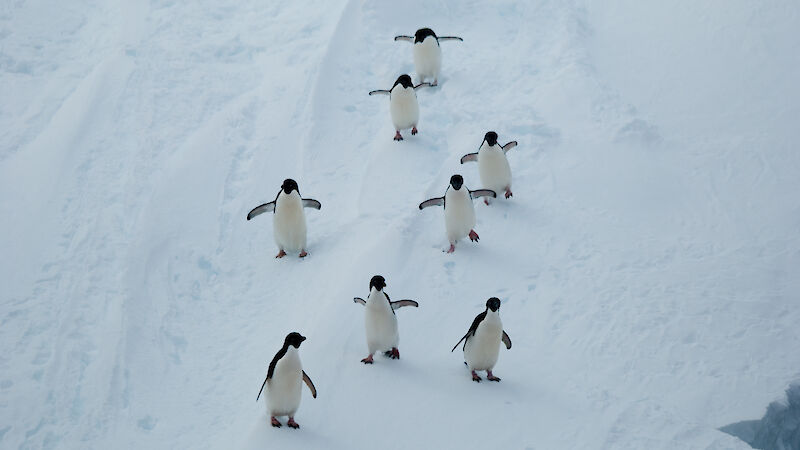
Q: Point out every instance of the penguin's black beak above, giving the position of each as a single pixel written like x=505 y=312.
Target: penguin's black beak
x=302 y=338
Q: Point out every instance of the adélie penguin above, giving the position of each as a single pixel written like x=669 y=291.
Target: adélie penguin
x=493 y=165
x=289 y=219
x=380 y=321
x=482 y=341
x=403 y=105
x=459 y=212
x=284 y=381
x=427 y=53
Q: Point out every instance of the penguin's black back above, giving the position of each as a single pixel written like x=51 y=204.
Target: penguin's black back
x=275 y=360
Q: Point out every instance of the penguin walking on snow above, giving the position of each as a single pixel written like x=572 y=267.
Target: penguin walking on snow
x=380 y=320
x=459 y=212
x=427 y=53
x=482 y=341
x=403 y=105
x=284 y=381
x=492 y=164
x=289 y=220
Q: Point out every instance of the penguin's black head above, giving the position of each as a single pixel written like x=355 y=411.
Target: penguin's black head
x=289 y=185
x=377 y=282
x=493 y=303
x=403 y=80
x=422 y=33
x=490 y=138
x=456 y=181
x=294 y=339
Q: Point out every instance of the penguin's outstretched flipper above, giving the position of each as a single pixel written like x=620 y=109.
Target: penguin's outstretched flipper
x=359 y=300
x=262 y=388
x=261 y=209
x=438 y=201
x=482 y=193
x=469 y=157
x=401 y=303
x=460 y=340
x=509 y=146
x=404 y=38
x=311 y=203
x=424 y=84
x=380 y=91
x=506 y=340
x=310 y=384
x=449 y=38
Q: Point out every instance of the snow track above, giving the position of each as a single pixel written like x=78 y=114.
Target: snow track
x=647 y=263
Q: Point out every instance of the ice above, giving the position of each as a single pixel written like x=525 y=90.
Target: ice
x=778 y=429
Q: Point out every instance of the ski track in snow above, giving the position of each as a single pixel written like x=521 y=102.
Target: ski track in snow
x=648 y=266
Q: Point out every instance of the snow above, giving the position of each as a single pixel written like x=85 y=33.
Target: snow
x=648 y=263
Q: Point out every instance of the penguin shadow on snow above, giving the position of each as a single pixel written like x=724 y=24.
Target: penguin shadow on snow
x=263 y=433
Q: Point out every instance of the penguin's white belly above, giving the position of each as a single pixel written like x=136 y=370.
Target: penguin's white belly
x=285 y=387
x=381 y=328
x=290 y=227
x=428 y=58
x=404 y=108
x=494 y=170
x=482 y=350
x=459 y=217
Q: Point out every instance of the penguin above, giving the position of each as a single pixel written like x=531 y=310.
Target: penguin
x=493 y=164
x=380 y=320
x=403 y=104
x=427 y=53
x=289 y=220
x=482 y=341
x=283 y=381
x=459 y=213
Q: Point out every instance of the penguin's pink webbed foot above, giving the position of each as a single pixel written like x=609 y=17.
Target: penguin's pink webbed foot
x=394 y=353
x=367 y=360
x=491 y=377
x=486 y=200
x=280 y=254
x=398 y=136
x=414 y=131
x=274 y=422
x=452 y=248
x=475 y=377
x=292 y=424
x=473 y=236
x=303 y=254
x=508 y=193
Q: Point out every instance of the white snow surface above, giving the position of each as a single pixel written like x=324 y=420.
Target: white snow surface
x=648 y=263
